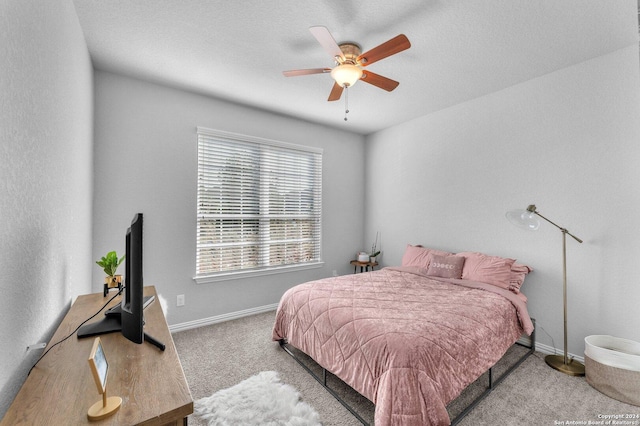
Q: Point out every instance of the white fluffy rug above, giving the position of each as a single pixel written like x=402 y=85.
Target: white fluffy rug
x=259 y=400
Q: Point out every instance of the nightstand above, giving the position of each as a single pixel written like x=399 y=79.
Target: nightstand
x=364 y=266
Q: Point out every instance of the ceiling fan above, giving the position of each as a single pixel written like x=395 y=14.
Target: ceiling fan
x=350 y=62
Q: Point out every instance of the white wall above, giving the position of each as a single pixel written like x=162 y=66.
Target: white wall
x=146 y=161
x=567 y=142
x=46 y=115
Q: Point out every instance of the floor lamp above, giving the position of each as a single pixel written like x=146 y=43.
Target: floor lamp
x=527 y=219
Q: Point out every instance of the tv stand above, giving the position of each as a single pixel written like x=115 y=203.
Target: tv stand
x=154 y=342
x=111 y=323
x=151 y=383
x=116 y=311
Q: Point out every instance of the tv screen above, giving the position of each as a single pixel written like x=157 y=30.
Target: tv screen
x=128 y=317
x=132 y=317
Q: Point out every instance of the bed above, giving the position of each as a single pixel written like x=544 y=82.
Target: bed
x=410 y=338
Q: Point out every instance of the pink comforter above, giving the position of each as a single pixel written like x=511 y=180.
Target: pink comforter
x=407 y=342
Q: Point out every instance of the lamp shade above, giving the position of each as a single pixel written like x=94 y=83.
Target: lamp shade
x=525 y=219
x=346 y=74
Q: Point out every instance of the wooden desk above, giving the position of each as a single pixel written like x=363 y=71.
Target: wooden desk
x=151 y=383
x=363 y=265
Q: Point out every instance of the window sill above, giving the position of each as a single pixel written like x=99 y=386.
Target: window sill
x=206 y=279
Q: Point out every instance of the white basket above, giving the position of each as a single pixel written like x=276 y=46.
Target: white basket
x=613 y=351
x=612 y=366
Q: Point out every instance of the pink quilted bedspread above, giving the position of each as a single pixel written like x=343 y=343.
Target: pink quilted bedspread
x=407 y=342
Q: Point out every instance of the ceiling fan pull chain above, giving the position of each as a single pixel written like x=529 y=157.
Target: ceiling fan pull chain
x=346 y=101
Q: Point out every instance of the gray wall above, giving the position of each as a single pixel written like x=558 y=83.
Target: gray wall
x=567 y=142
x=46 y=115
x=146 y=161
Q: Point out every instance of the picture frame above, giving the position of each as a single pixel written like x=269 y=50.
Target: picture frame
x=99 y=365
x=100 y=371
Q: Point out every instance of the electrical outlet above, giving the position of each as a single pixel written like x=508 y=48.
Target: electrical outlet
x=180 y=300
x=36 y=346
x=335 y=273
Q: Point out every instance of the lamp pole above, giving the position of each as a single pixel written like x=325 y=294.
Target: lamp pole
x=564 y=290
x=563 y=363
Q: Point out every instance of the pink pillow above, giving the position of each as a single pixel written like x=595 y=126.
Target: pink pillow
x=445 y=266
x=420 y=256
x=487 y=269
x=518 y=273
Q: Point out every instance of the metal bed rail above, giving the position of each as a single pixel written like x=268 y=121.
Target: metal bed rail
x=323 y=382
x=492 y=383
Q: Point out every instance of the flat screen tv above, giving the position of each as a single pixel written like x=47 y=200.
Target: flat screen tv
x=128 y=317
x=131 y=305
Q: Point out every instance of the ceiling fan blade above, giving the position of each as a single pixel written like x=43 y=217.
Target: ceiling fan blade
x=336 y=92
x=378 y=80
x=388 y=48
x=327 y=41
x=294 y=73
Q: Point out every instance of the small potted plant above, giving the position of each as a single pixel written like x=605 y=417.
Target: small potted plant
x=109 y=264
x=374 y=250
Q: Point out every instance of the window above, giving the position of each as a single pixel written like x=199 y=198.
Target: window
x=259 y=205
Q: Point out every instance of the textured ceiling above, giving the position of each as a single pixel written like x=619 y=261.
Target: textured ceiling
x=461 y=49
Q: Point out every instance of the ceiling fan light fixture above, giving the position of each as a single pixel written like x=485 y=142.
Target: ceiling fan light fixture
x=346 y=75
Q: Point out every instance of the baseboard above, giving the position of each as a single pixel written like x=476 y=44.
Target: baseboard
x=221 y=318
x=549 y=350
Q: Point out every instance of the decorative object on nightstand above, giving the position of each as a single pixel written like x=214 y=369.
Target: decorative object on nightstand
x=374 y=253
x=109 y=264
x=527 y=219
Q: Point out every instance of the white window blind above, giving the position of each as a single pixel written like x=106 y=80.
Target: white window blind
x=259 y=204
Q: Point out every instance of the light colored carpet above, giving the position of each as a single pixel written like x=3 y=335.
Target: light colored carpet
x=260 y=400
x=221 y=355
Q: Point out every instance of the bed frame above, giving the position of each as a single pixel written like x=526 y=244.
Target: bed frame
x=491 y=385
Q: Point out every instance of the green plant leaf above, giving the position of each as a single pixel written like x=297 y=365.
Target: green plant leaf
x=110 y=262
